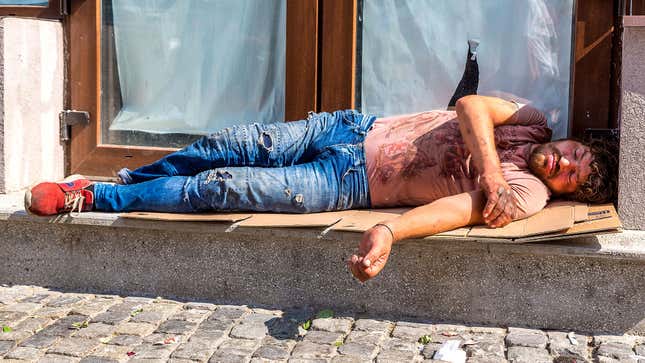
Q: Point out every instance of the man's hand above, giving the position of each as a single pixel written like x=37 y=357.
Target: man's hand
x=373 y=253
x=501 y=207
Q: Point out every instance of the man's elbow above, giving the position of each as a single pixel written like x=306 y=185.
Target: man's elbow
x=465 y=102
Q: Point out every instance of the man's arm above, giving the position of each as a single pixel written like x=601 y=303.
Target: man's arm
x=478 y=116
x=442 y=215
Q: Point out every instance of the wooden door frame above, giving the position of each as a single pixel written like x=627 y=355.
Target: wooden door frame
x=338 y=68
x=83 y=30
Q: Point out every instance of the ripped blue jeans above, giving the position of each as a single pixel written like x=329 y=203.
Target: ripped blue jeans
x=306 y=166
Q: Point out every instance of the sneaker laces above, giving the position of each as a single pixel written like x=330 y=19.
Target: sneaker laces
x=74 y=200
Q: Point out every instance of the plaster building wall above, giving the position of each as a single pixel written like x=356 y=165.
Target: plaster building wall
x=31 y=96
x=631 y=197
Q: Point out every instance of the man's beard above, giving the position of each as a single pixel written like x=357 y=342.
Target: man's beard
x=537 y=163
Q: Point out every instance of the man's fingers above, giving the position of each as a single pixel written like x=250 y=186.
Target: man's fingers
x=510 y=209
x=360 y=271
x=490 y=204
x=501 y=221
x=506 y=217
x=374 y=269
x=352 y=260
x=496 y=200
x=372 y=255
x=355 y=271
x=361 y=275
x=355 y=266
x=497 y=210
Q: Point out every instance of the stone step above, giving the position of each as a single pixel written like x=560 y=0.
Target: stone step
x=594 y=284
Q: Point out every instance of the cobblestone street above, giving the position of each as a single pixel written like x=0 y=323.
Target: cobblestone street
x=49 y=326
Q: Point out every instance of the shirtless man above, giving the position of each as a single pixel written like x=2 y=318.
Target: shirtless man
x=490 y=161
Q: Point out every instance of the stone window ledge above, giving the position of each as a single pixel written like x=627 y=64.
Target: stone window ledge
x=630 y=244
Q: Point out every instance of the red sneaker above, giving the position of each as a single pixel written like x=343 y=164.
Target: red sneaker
x=69 y=195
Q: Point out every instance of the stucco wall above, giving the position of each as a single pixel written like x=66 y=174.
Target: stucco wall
x=31 y=91
x=631 y=196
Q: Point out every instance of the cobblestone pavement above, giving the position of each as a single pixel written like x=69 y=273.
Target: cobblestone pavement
x=49 y=326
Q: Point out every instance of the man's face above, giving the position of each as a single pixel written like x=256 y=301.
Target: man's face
x=562 y=165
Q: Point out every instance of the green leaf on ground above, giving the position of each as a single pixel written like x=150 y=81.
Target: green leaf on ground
x=136 y=312
x=306 y=325
x=425 y=339
x=105 y=340
x=80 y=325
x=324 y=314
x=7 y=329
x=338 y=344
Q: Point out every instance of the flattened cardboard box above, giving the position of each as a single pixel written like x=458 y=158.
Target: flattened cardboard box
x=560 y=219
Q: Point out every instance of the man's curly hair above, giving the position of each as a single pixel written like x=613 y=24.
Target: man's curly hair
x=602 y=184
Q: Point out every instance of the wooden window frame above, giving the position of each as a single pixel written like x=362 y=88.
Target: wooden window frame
x=83 y=30
x=321 y=73
x=338 y=79
x=338 y=68
x=52 y=11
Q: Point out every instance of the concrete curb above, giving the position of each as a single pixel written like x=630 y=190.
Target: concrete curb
x=591 y=284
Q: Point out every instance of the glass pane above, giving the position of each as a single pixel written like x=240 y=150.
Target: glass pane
x=173 y=70
x=414 y=53
x=25 y=2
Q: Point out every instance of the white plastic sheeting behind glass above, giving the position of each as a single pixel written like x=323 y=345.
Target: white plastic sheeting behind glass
x=24 y=2
x=414 y=53
x=195 y=66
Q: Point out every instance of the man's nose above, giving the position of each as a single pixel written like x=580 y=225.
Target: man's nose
x=564 y=163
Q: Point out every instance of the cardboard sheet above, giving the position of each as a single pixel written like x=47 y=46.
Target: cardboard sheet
x=590 y=227
x=362 y=220
x=558 y=220
x=292 y=220
x=194 y=217
x=580 y=210
x=551 y=219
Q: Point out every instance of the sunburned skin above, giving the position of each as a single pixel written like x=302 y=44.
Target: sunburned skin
x=415 y=159
x=442 y=146
x=562 y=165
x=386 y=158
x=505 y=190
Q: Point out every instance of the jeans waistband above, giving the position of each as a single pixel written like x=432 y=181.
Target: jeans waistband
x=362 y=123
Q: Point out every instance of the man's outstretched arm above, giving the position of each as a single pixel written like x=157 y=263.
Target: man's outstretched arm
x=478 y=116
x=442 y=215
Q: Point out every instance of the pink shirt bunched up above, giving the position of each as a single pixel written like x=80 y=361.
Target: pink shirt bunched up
x=418 y=158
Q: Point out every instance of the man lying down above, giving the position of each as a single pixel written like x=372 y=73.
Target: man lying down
x=490 y=161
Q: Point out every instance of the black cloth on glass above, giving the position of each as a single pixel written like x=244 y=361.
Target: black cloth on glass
x=470 y=79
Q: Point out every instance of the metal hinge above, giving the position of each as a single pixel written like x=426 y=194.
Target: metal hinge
x=69 y=118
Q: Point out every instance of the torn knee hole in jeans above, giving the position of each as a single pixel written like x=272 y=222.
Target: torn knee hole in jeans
x=298 y=199
x=266 y=141
x=218 y=175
